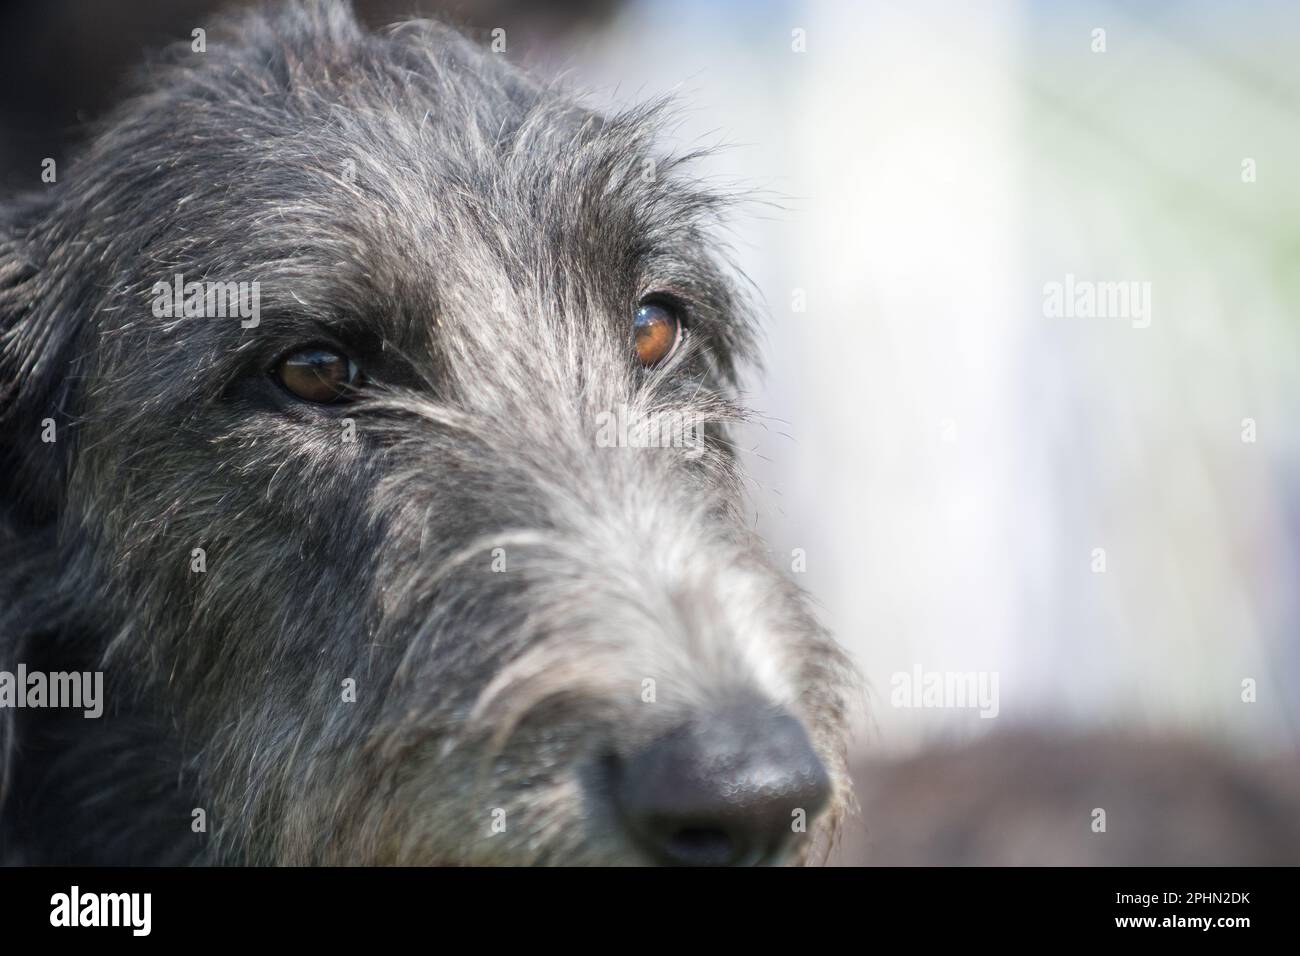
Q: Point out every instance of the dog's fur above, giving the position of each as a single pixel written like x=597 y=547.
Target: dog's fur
x=483 y=265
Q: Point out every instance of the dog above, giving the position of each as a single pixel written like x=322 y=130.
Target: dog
x=365 y=409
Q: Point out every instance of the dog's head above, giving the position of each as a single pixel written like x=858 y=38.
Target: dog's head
x=368 y=401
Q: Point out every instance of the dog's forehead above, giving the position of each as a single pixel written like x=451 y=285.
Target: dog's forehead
x=454 y=185
x=407 y=184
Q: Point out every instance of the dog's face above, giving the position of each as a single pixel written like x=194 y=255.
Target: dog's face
x=383 y=548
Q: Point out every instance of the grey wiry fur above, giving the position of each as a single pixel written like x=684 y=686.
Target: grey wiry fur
x=482 y=265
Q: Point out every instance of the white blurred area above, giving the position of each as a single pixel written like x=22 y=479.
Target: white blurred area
x=949 y=456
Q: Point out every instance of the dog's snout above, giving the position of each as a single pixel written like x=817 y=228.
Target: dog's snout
x=728 y=790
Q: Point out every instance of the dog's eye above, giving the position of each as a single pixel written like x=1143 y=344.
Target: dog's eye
x=658 y=331
x=318 y=375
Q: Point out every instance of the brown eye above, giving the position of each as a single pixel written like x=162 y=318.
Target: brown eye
x=318 y=375
x=657 y=331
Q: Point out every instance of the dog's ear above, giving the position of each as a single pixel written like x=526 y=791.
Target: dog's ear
x=14 y=276
x=38 y=329
x=8 y=750
x=37 y=335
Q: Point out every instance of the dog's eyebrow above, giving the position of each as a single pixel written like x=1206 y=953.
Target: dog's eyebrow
x=340 y=298
x=370 y=330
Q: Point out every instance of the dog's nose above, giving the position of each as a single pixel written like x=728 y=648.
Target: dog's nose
x=724 y=791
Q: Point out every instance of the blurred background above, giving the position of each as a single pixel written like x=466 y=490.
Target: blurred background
x=1092 y=513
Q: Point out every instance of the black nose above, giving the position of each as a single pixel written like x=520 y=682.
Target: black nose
x=722 y=791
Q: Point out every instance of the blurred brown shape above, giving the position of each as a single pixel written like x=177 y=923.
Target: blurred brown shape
x=1027 y=799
